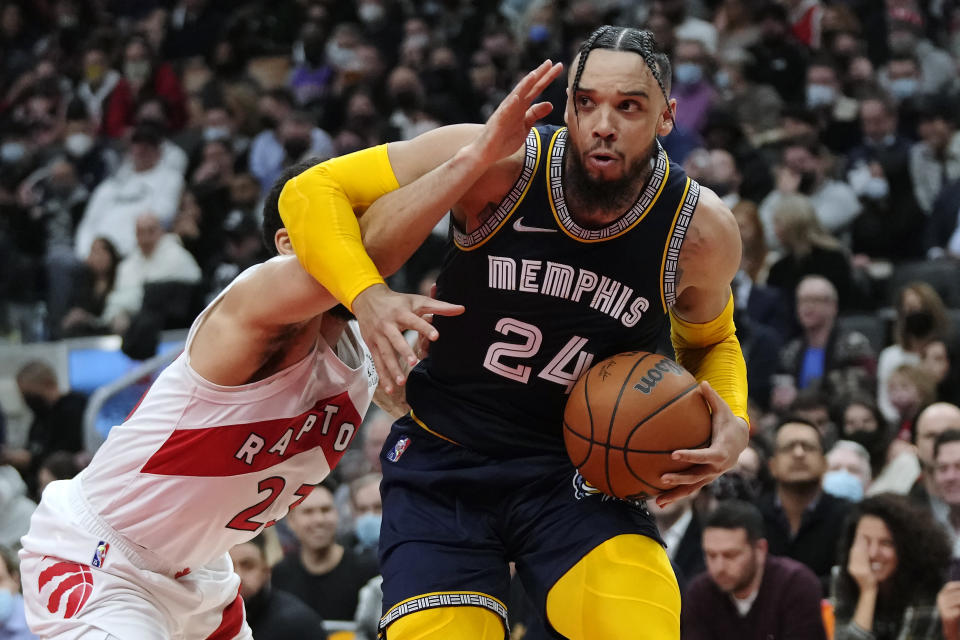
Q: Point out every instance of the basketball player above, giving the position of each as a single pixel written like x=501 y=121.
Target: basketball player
x=267 y=394
x=578 y=245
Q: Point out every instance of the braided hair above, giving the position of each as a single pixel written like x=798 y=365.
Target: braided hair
x=638 y=41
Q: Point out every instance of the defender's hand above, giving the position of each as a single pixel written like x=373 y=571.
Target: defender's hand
x=384 y=315
x=509 y=125
x=730 y=436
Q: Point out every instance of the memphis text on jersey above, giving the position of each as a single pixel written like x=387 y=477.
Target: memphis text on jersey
x=606 y=295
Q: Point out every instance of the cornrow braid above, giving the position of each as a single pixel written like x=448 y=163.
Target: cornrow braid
x=641 y=42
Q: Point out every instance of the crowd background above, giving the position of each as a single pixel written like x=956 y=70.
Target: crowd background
x=138 y=138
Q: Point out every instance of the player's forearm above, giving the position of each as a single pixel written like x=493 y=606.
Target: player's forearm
x=711 y=352
x=395 y=225
x=317 y=208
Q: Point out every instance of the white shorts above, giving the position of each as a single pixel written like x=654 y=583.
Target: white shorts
x=82 y=581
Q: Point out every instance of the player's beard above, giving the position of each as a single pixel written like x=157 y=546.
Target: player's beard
x=591 y=196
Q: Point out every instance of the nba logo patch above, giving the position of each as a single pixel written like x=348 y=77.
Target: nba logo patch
x=100 y=555
x=398 y=449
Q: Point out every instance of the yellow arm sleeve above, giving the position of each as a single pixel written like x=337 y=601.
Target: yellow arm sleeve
x=711 y=352
x=318 y=210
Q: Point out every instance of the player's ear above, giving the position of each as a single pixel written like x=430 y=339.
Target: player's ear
x=665 y=121
x=568 y=108
x=281 y=239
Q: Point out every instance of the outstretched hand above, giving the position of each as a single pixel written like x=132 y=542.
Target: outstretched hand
x=383 y=316
x=508 y=126
x=729 y=437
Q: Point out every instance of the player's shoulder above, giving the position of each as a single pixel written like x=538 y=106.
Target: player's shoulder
x=713 y=229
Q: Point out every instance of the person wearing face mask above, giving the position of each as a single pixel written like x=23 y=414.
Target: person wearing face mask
x=13 y=623
x=691 y=85
x=848 y=473
x=836 y=113
x=143 y=74
x=366 y=508
x=57 y=418
x=892 y=562
x=98 y=81
x=935 y=158
x=93 y=159
x=921 y=315
x=905 y=36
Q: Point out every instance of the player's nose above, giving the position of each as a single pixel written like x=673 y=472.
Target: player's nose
x=604 y=128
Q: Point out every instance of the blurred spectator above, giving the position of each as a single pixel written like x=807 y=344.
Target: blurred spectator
x=366 y=510
x=159 y=257
x=921 y=316
x=242 y=248
x=154 y=112
x=761 y=345
x=98 y=80
x=692 y=87
x=941 y=359
x=802 y=522
x=747 y=592
x=115 y=204
x=778 y=59
x=408 y=98
x=909 y=389
x=143 y=74
x=835 y=113
x=848 y=471
x=13 y=621
x=59 y=465
x=686 y=26
x=273 y=614
x=803 y=171
x=56 y=198
x=680 y=529
x=893 y=558
x=284 y=139
x=942 y=238
x=324 y=574
x=192 y=29
x=935 y=159
x=93 y=158
x=863 y=423
x=57 y=418
x=756 y=106
x=91 y=286
x=15 y=506
x=369 y=608
x=736 y=25
x=311 y=79
x=812 y=405
x=946 y=476
x=836 y=361
x=375 y=433
x=905 y=38
x=932 y=421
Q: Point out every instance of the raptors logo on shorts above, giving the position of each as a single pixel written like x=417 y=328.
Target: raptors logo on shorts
x=67 y=587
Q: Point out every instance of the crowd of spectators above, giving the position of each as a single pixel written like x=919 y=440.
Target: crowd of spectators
x=138 y=137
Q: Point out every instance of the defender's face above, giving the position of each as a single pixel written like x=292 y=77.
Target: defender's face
x=620 y=110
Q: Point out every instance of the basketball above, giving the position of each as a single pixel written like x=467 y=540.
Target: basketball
x=626 y=416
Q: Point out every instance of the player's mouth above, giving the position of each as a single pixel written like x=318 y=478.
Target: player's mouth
x=602 y=159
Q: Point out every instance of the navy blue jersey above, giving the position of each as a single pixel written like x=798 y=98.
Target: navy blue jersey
x=545 y=298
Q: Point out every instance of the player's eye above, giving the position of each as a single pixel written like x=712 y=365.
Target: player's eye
x=630 y=105
x=584 y=101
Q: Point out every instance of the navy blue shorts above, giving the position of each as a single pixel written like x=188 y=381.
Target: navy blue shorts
x=453 y=519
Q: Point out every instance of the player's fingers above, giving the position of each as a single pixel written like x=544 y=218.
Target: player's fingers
x=667 y=497
x=382 y=369
x=402 y=349
x=712 y=397
x=528 y=81
x=415 y=323
x=389 y=359
x=425 y=305
x=537 y=112
x=691 y=476
x=548 y=76
x=700 y=456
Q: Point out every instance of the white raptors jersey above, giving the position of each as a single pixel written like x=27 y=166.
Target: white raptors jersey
x=198 y=468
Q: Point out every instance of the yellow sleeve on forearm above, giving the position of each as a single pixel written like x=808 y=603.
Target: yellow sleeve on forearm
x=318 y=210
x=711 y=352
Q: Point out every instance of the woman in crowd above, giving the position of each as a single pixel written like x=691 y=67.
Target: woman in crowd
x=90 y=291
x=921 y=317
x=893 y=560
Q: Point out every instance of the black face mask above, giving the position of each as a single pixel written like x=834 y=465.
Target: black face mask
x=296 y=147
x=37 y=404
x=807 y=181
x=870 y=440
x=918 y=323
x=268 y=122
x=407 y=100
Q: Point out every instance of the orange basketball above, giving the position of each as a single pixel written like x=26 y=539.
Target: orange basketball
x=626 y=416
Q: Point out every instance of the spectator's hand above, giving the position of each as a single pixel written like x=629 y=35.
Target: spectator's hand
x=509 y=125
x=948 y=606
x=384 y=315
x=788 y=180
x=729 y=438
x=858 y=566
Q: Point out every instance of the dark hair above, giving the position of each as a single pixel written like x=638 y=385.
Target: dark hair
x=792 y=419
x=10 y=559
x=923 y=554
x=950 y=435
x=637 y=41
x=737 y=514
x=114 y=259
x=61 y=464
x=281 y=94
x=272 y=222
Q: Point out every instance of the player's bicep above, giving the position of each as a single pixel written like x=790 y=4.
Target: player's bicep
x=411 y=159
x=708 y=260
x=278 y=293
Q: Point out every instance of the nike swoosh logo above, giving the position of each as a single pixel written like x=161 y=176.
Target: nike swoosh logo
x=519 y=226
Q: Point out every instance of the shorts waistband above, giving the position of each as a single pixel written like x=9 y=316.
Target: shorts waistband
x=91 y=520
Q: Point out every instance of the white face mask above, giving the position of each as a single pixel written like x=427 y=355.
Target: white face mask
x=371 y=12
x=820 y=95
x=78 y=144
x=216 y=133
x=12 y=152
x=6 y=605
